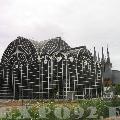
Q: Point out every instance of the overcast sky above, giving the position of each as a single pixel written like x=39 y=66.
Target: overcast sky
x=78 y=22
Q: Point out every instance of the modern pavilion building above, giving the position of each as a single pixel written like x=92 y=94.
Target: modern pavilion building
x=51 y=69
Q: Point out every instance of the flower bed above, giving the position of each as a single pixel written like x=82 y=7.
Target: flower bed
x=93 y=109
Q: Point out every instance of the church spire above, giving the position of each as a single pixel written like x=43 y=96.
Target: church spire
x=108 y=56
x=98 y=57
x=95 y=57
x=102 y=55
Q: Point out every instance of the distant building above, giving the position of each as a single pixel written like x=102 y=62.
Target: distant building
x=116 y=77
x=51 y=69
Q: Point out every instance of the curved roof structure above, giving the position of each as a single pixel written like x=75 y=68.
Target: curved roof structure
x=28 y=50
x=77 y=52
x=49 y=46
x=19 y=50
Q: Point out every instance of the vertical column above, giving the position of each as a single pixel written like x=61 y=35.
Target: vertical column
x=66 y=67
x=48 y=79
x=42 y=74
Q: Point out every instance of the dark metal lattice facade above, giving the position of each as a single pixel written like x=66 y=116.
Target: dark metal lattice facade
x=49 y=70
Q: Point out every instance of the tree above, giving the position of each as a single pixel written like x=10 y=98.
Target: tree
x=117 y=89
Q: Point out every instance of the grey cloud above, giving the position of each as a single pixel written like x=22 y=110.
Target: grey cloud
x=81 y=22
